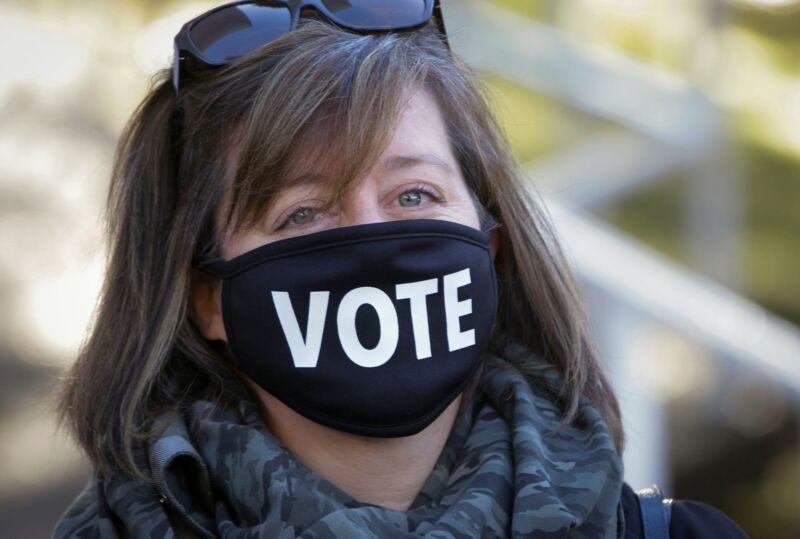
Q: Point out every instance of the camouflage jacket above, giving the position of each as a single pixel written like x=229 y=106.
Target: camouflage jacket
x=505 y=471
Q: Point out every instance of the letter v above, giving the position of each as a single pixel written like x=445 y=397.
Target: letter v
x=305 y=352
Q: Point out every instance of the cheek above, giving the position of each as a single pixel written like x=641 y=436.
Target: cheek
x=217 y=324
x=244 y=241
x=463 y=210
x=468 y=215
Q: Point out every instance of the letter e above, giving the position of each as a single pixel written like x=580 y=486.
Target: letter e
x=455 y=309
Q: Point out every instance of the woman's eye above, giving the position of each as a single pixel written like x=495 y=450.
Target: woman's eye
x=411 y=198
x=301 y=216
x=414 y=197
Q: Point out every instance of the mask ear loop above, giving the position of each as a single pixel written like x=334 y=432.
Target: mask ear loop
x=488 y=221
x=493 y=225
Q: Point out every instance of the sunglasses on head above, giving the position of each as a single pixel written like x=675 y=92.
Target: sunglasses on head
x=227 y=32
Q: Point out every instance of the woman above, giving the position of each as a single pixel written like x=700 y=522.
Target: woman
x=332 y=306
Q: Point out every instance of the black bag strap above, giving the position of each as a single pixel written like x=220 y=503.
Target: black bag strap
x=656 y=512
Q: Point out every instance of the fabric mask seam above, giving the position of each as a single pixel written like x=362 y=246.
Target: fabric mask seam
x=235 y=271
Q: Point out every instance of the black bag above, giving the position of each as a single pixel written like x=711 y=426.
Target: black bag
x=657 y=517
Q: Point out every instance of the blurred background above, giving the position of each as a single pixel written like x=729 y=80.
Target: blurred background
x=663 y=136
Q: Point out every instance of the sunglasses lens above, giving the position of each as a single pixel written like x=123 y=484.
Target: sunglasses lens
x=232 y=32
x=372 y=15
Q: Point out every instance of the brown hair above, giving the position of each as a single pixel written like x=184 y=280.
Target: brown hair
x=320 y=97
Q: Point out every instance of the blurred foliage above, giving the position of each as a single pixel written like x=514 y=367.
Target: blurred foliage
x=771 y=223
x=771 y=226
x=527 y=118
x=535 y=124
x=125 y=10
x=775 y=505
x=524 y=7
x=773 y=232
x=537 y=9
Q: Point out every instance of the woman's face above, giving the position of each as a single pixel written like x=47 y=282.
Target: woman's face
x=416 y=177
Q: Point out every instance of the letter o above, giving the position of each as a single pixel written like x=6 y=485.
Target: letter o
x=387 y=320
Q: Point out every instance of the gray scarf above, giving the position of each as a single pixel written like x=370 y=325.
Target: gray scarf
x=505 y=471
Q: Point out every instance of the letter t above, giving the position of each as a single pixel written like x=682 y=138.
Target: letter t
x=416 y=293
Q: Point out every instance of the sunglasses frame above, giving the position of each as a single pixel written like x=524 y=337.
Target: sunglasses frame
x=186 y=52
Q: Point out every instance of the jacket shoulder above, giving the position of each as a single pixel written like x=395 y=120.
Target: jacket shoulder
x=690 y=520
x=79 y=521
x=116 y=506
x=696 y=520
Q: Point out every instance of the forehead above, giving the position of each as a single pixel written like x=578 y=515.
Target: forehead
x=420 y=128
x=418 y=137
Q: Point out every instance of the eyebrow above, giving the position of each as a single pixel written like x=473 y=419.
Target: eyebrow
x=400 y=162
x=392 y=163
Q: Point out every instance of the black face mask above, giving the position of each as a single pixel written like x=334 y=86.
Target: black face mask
x=370 y=329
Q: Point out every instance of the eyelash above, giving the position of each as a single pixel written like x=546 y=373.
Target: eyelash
x=419 y=187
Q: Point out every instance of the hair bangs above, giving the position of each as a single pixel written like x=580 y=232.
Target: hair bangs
x=327 y=113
